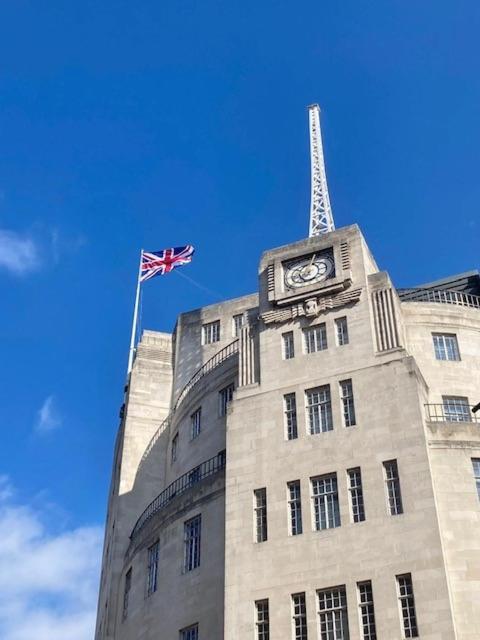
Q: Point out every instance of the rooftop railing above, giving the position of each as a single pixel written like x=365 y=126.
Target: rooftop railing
x=446 y=297
x=451 y=413
x=178 y=487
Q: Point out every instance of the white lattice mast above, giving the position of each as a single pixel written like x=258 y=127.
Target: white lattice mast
x=321 y=218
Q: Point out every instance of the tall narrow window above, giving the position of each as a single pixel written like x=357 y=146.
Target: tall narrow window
x=315 y=338
x=356 y=494
x=456 y=409
x=392 y=488
x=299 y=616
x=195 y=423
x=192 y=534
x=260 y=498
x=332 y=612
x=341 y=329
x=237 y=324
x=211 y=332
x=295 y=507
x=445 y=346
x=319 y=409
x=262 y=620
x=407 y=605
x=290 y=411
x=288 y=345
x=189 y=633
x=367 y=611
x=126 y=592
x=152 y=568
x=346 y=394
x=174 y=450
x=225 y=396
x=325 y=502
x=476 y=473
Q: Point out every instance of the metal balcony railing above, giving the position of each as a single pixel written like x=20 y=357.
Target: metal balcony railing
x=178 y=487
x=451 y=413
x=446 y=297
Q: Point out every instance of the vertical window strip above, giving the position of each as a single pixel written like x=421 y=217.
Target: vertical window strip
x=192 y=535
x=238 y=322
x=315 y=338
x=346 y=394
x=174 y=450
x=225 y=397
x=290 y=413
x=392 y=488
x=341 y=331
x=262 y=620
x=261 y=532
x=476 y=474
x=299 y=616
x=325 y=502
x=190 y=633
x=407 y=605
x=295 y=507
x=196 y=423
x=319 y=409
x=367 y=611
x=152 y=568
x=445 y=346
x=332 y=612
x=126 y=592
x=288 y=345
x=355 y=490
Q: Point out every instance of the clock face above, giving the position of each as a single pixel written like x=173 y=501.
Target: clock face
x=309 y=271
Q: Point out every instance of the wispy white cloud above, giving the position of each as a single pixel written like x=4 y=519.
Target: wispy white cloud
x=48 y=417
x=19 y=254
x=48 y=580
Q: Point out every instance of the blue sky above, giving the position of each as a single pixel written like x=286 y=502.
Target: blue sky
x=155 y=124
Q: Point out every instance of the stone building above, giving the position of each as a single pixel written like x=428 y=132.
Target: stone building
x=303 y=462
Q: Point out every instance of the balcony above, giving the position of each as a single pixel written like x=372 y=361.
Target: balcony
x=451 y=413
x=458 y=298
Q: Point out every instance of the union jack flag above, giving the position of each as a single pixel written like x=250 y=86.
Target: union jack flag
x=156 y=263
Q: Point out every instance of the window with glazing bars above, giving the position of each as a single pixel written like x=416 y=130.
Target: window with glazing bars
x=319 y=409
x=196 y=423
x=152 y=568
x=190 y=633
x=332 y=611
x=299 y=617
x=211 y=332
x=288 y=345
x=456 y=409
x=367 y=611
x=355 y=491
x=192 y=533
x=174 y=450
x=237 y=324
x=295 y=507
x=290 y=412
x=476 y=473
x=126 y=592
x=262 y=620
x=341 y=328
x=260 y=508
x=407 y=605
x=445 y=346
x=346 y=394
x=315 y=338
x=392 y=488
x=326 y=510
x=225 y=396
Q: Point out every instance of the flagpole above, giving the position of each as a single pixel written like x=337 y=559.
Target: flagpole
x=135 y=317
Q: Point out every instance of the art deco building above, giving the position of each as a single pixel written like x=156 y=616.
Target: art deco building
x=302 y=462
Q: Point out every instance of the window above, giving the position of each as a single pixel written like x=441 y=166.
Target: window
x=315 y=338
x=152 y=568
x=341 y=329
x=392 y=487
x=367 y=612
x=346 y=394
x=288 y=345
x=319 y=409
x=190 y=633
x=126 y=592
x=290 y=411
x=299 y=616
x=260 y=497
x=211 y=332
x=356 y=494
x=237 y=323
x=332 y=611
x=262 y=622
x=174 y=450
x=196 y=423
x=476 y=473
x=456 y=409
x=295 y=507
x=192 y=531
x=325 y=502
x=445 y=346
x=225 y=396
x=407 y=605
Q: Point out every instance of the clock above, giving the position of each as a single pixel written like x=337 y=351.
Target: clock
x=311 y=270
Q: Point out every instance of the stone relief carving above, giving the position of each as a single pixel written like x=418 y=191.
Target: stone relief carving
x=311 y=307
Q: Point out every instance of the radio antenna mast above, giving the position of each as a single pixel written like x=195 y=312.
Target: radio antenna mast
x=321 y=218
